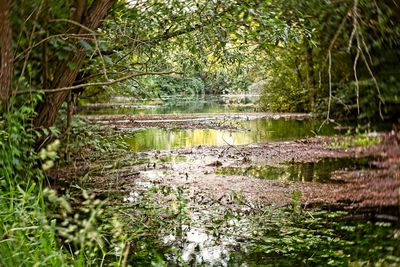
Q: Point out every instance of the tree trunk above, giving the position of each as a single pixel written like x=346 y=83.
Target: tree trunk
x=45 y=56
x=6 y=56
x=65 y=75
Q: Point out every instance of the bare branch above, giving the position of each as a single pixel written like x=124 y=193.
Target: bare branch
x=30 y=44
x=355 y=24
x=361 y=42
x=75 y=23
x=330 y=83
x=340 y=28
x=103 y=63
x=357 y=85
x=62 y=35
x=355 y=33
x=329 y=58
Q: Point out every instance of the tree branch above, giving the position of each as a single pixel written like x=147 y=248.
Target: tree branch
x=87 y=36
x=110 y=82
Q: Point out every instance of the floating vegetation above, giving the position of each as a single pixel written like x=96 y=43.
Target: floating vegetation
x=253 y=234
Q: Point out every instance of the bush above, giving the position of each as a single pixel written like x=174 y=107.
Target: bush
x=170 y=85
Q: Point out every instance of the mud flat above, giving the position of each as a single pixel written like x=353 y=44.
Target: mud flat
x=361 y=177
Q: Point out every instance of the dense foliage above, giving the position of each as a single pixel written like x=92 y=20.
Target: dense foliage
x=351 y=52
x=317 y=56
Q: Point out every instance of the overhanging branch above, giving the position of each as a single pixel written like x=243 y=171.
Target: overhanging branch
x=110 y=82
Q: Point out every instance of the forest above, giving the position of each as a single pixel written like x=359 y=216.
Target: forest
x=199 y=133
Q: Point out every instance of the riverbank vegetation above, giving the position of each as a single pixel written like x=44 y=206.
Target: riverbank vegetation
x=338 y=60
x=314 y=57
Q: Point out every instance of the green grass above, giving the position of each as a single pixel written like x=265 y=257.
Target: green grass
x=355 y=139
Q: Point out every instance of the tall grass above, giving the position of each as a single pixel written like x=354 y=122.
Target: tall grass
x=27 y=238
x=38 y=228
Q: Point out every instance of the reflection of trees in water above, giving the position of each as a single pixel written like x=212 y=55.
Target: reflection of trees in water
x=252 y=131
x=321 y=171
x=284 y=129
x=303 y=172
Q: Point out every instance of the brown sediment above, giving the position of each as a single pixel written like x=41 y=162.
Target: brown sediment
x=361 y=188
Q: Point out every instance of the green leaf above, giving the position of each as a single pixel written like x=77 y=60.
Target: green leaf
x=72 y=65
x=85 y=45
x=108 y=60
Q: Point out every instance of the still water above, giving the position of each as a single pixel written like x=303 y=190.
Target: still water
x=320 y=171
x=248 y=132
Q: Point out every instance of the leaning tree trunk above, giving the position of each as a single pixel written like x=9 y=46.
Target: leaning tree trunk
x=65 y=75
x=6 y=56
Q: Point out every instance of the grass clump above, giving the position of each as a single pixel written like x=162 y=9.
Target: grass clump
x=356 y=138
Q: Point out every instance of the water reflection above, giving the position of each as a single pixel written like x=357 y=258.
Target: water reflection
x=320 y=171
x=252 y=131
x=198 y=104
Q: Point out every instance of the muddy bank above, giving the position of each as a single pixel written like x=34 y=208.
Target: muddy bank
x=101 y=106
x=357 y=189
x=189 y=121
x=197 y=171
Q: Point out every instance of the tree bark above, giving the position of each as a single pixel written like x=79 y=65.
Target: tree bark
x=66 y=75
x=45 y=56
x=6 y=56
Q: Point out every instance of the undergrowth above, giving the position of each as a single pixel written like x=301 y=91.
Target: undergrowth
x=37 y=227
x=89 y=140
